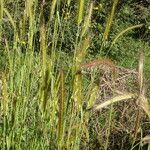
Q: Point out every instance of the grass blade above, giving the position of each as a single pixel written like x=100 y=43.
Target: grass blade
x=61 y=108
x=52 y=9
x=10 y=18
x=114 y=100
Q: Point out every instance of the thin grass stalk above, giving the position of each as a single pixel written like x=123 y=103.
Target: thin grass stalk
x=52 y=16
x=46 y=89
x=4 y=107
x=69 y=130
x=23 y=24
x=87 y=21
x=5 y=95
x=4 y=132
x=110 y=21
x=45 y=70
x=1 y=16
x=61 y=108
x=140 y=72
x=52 y=9
x=10 y=61
x=31 y=18
x=10 y=18
x=55 y=36
x=13 y=112
x=141 y=93
x=43 y=46
x=1 y=9
x=14 y=62
x=80 y=11
x=109 y=128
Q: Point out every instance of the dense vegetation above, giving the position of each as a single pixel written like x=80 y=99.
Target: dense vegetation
x=74 y=74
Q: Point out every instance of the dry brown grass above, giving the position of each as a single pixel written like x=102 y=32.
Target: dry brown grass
x=123 y=92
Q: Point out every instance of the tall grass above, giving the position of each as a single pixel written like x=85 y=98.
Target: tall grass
x=45 y=101
x=32 y=83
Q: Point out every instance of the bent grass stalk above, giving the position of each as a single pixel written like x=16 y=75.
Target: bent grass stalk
x=10 y=18
x=110 y=20
x=124 y=31
x=119 y=98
